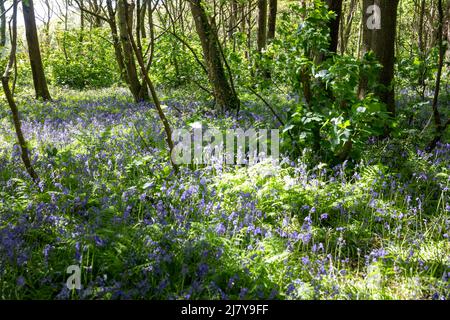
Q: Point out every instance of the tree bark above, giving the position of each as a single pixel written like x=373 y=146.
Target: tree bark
x=2 y=23
x=226 y=98
x=143 y=11
x=442 y=49
x=421 y=26
x=448 y=30
x=272 y=23
x=37 y=68
x=82 y=21
x=11 y=102
x=347 y=27
x=116 y=39
x=262 y=25
x=128 y=57
x=232 y=22
x=243 y=18
x=382 y=42
x=336 y=7
x=128 y=10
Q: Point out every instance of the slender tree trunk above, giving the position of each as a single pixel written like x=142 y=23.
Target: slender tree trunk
x=448 y=30
x=11 y=102
x=333 y=25
x=360 y=37
x=226 y=98
x=97 y=9
x=243 y=20
x=143 y=11
x=249 y=29
x=272 y=23
x=127 y=50
x=232 y=22
x=116 y=40
x=262 y=25
x=37 y=68
x=47 y=38
x=380 y=38
x=421 y=26
x=336 y=7
x=138 y=24
x=128 y=13
x=422 y=46
x=442 y=49
x=82 y=20
x=2 y=23
x=440 y=126
x=151 y=30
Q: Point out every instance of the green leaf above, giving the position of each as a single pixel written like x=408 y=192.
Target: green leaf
x=288 y=128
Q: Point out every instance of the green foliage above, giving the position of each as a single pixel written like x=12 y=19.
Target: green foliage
x=174 y=64
x=83 y=59
x=417 y=70
x=333 y=114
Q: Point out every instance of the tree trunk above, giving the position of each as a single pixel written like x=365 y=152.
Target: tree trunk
x=336 y=7
x=37 y=68
x=138 y=24
x=116 y=40
x=262 y=25
x=142 y=18
x=249 y=29
x=243 y=18
x=273 y=10
x=129 y=62
x=2 y=23
x=442 y=49
x=379 y=33
x=347 y=27
x=421 y=26
x=128 y=10
x=11 y=102
x=82 y=22
x=224 y=94
x=448 y=30
x=232 y=22
x=97 y=23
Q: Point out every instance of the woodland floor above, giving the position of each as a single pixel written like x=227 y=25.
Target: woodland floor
x=109 y=202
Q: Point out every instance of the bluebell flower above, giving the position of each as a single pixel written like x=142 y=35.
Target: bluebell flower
x=243 y=293
x=305 y=261
x=20 y=281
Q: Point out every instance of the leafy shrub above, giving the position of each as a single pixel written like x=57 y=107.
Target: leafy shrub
x=326 y=111
x=83 y=59
x=174 y=64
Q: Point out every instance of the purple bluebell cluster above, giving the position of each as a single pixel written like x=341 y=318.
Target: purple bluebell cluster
x=110 y=203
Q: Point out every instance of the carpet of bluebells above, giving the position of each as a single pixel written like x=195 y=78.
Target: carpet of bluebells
x=109 y=202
